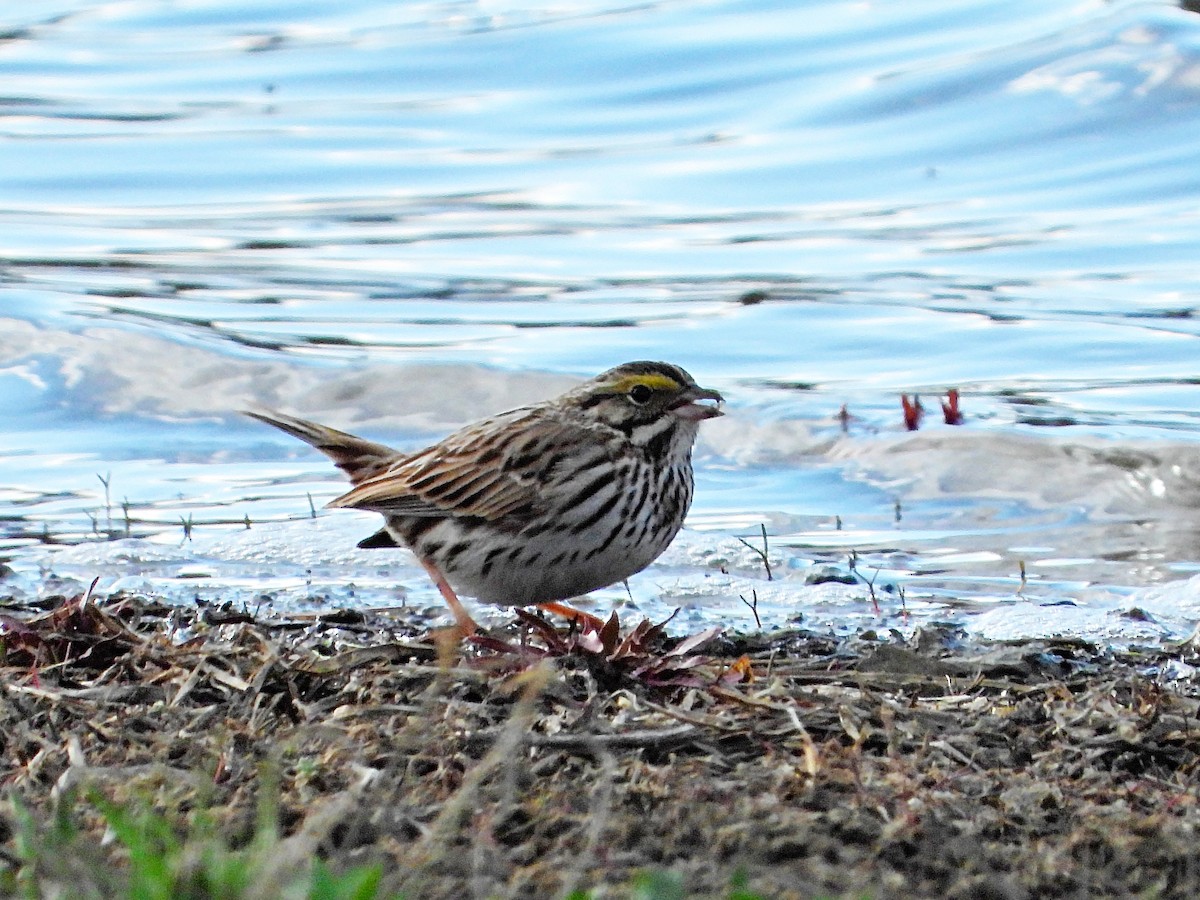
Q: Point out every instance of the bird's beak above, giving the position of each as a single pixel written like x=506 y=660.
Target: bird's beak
x=689 y=406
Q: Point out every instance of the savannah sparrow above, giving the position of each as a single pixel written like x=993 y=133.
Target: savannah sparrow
x=541 y=503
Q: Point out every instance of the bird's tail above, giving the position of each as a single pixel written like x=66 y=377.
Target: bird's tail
x=360 y=459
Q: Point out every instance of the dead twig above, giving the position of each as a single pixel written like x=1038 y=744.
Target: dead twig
x=762 y=554
x=753 y=604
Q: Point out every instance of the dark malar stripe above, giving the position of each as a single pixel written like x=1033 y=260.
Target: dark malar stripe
x=657 y=446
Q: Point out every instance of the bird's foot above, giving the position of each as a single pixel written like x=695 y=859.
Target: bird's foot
x=575 y=615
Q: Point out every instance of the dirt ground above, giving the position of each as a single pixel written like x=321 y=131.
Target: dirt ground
x=539 y=761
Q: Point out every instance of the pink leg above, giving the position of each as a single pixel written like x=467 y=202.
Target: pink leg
x=466 y=625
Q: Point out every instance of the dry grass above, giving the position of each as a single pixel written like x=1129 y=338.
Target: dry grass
x=839 y=768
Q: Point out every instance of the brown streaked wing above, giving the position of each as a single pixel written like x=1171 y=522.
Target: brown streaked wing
x=470 y=473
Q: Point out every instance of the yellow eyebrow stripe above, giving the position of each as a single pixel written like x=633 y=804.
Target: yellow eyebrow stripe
x=652 y=380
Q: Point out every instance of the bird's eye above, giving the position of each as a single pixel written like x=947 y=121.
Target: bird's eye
x=640 y=394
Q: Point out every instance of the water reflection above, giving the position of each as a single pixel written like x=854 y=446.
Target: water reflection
x=401 y=217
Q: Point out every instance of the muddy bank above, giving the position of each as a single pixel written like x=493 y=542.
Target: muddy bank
x=537 y=761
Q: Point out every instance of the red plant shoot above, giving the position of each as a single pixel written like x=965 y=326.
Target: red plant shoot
x=950 y=411
x=913 y=411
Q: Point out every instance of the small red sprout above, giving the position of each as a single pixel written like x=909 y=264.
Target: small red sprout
x=950 y=411
x=913 y=411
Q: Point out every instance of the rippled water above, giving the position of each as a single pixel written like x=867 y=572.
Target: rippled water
x=397 y=217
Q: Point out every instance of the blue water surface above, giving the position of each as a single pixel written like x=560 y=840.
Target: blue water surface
x=399 y=217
